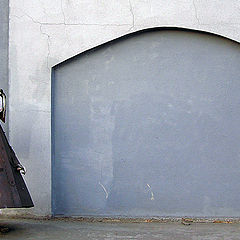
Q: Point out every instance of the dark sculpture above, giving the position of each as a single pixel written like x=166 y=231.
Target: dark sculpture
x=13 y=190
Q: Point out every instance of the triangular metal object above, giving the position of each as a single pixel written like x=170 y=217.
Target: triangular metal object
x=13 y=190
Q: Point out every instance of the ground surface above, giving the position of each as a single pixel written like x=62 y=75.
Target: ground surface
x=62 y=229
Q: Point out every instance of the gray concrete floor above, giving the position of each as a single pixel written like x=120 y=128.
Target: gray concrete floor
x=62 y=229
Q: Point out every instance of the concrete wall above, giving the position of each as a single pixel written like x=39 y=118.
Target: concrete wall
x=44 y=33
x=4 y=7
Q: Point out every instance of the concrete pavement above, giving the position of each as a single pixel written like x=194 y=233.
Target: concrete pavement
x=29 y=229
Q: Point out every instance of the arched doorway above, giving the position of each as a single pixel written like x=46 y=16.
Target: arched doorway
x=148 y=125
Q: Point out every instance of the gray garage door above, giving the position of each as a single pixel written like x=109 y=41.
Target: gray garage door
x=148 y=125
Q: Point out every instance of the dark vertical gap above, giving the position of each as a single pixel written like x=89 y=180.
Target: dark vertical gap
x=52 y=144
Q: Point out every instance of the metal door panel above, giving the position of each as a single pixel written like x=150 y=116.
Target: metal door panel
x=148 y=125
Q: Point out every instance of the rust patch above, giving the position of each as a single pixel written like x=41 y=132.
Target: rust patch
x=222 y=221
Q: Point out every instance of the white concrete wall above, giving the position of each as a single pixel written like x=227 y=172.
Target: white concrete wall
x=46 y=32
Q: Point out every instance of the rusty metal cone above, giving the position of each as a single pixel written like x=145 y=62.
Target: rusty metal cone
x=13 y=190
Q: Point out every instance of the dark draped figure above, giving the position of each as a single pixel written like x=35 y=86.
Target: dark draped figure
x=13 y=190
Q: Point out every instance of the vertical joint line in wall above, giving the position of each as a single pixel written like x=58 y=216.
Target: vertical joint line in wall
x=195 y=10
x=133 y=17
x=48 y=44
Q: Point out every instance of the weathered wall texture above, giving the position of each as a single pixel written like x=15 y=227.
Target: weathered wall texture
x=44 y=33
